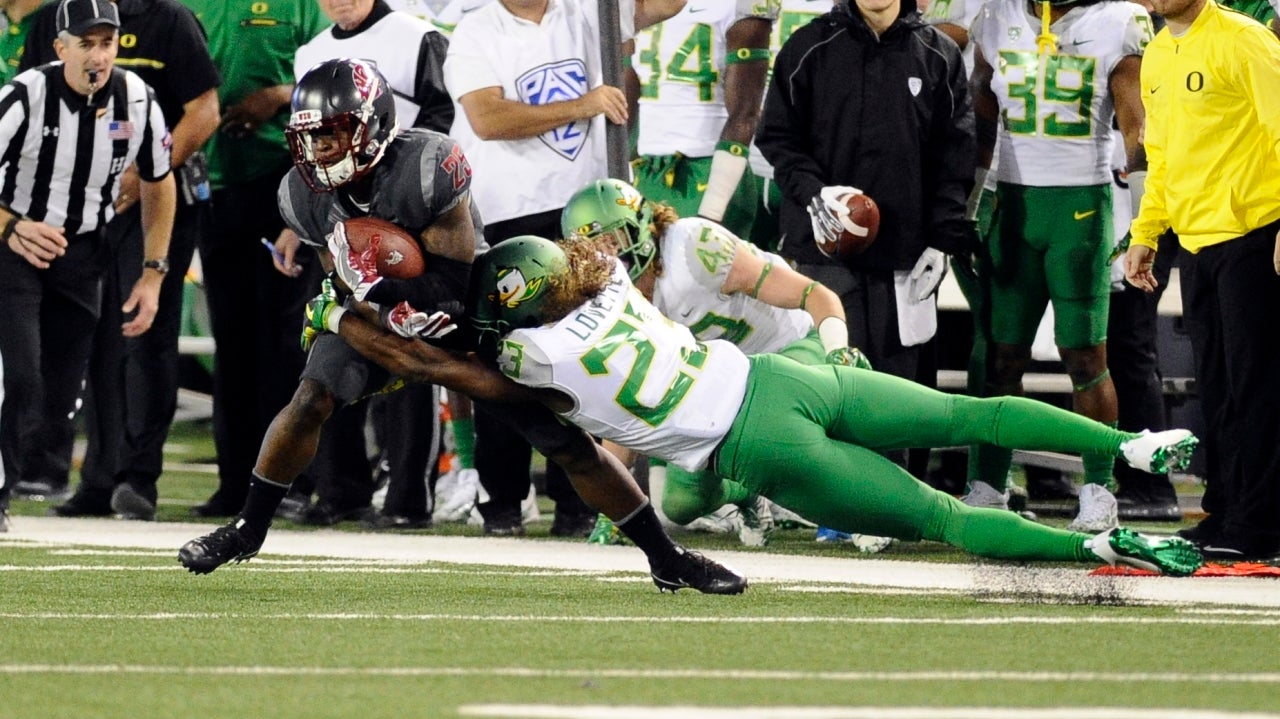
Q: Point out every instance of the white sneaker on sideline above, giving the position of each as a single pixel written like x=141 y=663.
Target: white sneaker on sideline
x=1097 y=510
x=456 y=495
x=529 y=507
x=984 y=495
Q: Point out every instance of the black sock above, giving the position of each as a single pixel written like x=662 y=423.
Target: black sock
x=643 y=527
x=260 y=506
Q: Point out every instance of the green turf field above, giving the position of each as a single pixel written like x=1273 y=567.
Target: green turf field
x=122 y=631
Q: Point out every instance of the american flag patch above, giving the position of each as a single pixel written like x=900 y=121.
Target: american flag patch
x=120 y=130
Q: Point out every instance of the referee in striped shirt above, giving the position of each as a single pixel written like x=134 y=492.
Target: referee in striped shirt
x=67 y=131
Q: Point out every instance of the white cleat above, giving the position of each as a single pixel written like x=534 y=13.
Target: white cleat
x=1097 y=510
x=1160 y=452
x=985 y=496
x=755 y=522
x=1172 y=556
x=722 y=521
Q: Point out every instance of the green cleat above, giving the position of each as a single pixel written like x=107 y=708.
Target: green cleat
x=1173 y=556
x=606 y=532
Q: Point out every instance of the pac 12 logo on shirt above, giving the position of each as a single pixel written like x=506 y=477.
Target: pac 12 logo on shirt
x=558 y=82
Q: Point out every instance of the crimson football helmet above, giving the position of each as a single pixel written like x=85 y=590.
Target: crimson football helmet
x=343 y=119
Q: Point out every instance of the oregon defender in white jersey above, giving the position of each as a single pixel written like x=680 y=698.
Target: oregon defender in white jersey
x=1055 y=74
x=566 y=322
x=701 y=75
x=704 y=277
x=764 y=229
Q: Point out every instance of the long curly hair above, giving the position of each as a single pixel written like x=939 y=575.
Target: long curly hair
x=664 y=216
x=590 y=268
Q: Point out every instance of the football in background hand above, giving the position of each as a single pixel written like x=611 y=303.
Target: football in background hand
x=864 y=213
x=399 y=254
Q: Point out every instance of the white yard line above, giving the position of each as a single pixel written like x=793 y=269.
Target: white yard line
x=761 y=567
x=1198 y=678
x=1072 y=620
x=551 y=711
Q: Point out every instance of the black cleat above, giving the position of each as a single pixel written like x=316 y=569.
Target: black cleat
x=233 y=542
x=693 y=570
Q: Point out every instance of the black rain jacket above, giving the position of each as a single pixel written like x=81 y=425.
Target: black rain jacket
x=891 y=116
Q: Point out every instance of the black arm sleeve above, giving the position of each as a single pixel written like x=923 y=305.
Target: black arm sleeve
x=441 y=287
x=435 y=107
x=954 y=147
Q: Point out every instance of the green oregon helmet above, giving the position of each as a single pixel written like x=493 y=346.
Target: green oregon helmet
x=509 y=287
x=614 y=208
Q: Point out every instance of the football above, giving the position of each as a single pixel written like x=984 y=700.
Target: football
x=865 y=215
x=399 y=253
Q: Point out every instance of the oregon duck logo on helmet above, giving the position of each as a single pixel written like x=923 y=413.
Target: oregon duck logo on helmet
x=513 y=288
x=510 y=285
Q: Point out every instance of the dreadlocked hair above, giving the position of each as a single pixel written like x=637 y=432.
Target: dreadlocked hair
x=664 y=216
x=590 y=269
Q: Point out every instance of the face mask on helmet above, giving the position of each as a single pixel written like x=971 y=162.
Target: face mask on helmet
x=613 y=209
x=343 y=119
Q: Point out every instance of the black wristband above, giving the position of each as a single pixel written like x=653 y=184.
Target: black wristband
x=9 y=228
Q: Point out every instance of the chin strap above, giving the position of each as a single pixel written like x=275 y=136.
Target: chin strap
x=1046 y=41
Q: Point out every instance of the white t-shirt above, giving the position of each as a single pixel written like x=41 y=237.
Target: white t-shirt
x=555 y=60
x=391 y=43
x=681 y=63
x=1056 y=110
x=696 y=256
x=635 y=377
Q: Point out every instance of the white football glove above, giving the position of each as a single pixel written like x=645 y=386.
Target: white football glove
x=405 y=321
x=828 y=214
x=359 y=271
x=927 y=274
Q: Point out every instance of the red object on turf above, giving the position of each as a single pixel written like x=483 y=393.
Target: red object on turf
x=1237 y=569
x=864 y=213
x=399 y=255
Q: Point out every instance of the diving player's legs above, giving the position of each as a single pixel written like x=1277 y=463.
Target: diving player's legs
x=792 y=445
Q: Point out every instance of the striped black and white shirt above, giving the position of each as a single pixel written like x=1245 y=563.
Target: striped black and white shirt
x=63 y=152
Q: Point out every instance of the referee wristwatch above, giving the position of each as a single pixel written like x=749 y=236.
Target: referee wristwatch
x=160 y=265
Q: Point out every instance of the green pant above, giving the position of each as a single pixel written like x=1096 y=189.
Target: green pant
x=809 y=439
x=689 y=495
x=681 y=181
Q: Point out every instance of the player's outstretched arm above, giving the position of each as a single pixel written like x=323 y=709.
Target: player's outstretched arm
x=417 y=361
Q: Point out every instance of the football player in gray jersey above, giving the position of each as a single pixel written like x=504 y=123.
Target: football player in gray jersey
x=351 y=160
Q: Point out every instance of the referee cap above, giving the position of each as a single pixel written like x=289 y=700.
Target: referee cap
x=77 y=16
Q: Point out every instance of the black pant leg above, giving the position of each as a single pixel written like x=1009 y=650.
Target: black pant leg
x=68 y=318
x=20 y=337
x=409 y=428
x=1202 y=318
x=151 y=362
x=256 y=315
x=1248 y=294
x=341 y=470
x=502 y=461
